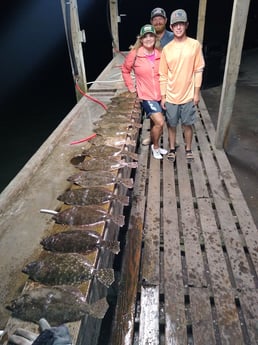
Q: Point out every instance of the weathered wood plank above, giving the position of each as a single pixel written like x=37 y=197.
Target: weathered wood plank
x=227 y=317
x=123 y=322
x=210 y=233
x=188 y=223
x=175 y=320
x=149 y=317
x=244 y=217
x=201 y=315
x=230 y=235
x=150 y=258
x=249 y=307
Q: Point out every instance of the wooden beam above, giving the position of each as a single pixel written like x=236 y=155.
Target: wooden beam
x=75 y=37
x=114 y=18
x=201 y=20
x=234 y=51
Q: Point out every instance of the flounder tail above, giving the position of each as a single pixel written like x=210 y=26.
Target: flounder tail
x=132 y=155
x=105 y=276
x=119 y=220
x=97 y=309
x=113 y=246
x=127 y=182
x=124 y=200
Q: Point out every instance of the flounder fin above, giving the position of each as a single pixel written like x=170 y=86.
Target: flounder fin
x=119 y=220
x=132 y=155
x=97 y=309
x=124 y=200
x=127 y=182
x=129 y=164
x=113 y=246
x=105 y=276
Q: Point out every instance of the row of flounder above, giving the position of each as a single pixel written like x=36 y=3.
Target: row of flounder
x=64 y=264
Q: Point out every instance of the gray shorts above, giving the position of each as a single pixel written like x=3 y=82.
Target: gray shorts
x=185 y=113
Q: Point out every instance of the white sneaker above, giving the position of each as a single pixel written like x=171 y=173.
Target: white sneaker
x=156 y=153
x=146 y=141
x=163 y=151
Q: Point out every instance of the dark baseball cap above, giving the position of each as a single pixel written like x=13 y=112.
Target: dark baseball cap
x=158 y=12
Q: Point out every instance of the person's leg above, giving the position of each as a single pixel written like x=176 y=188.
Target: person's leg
x=147 y=140
x=172 y=118
x=157 y=128
x=188 y=114
x=188 y=134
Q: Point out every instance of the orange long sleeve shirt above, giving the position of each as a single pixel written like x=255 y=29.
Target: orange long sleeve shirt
x=181 y=67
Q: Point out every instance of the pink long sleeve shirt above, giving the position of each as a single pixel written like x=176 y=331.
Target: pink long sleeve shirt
x=146 y=73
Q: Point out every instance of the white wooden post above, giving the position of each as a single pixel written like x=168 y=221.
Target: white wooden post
x=114 y=19
x=201 y=20
x=74 y=38
x=234 y=51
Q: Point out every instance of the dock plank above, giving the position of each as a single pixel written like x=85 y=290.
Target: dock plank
x=175 y=318
x=201 y=314
x=234 y=245
x=244 y=217
x=124 y=319
x=194 y=260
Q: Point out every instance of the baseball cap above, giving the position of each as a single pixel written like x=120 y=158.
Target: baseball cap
x=147 y=29
x=178 y=16
x=158 y=12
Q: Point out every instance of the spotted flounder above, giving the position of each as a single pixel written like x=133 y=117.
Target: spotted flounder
x=84 y=215
x=91 y=196
x=98 y=178
x=116 y=141
x=66 y=268
x=107 y=151
x=57 y=304
x=78 y=241
x=105 y=164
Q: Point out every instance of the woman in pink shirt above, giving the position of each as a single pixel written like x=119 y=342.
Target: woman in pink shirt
x=143 y=60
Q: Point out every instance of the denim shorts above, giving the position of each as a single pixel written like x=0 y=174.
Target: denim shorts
x=151 y=107
x=185 y=113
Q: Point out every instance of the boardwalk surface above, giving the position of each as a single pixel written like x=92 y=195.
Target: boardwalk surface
x=198 y=266
x=190 y=261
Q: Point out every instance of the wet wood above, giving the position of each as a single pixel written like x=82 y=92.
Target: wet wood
x=123 y=323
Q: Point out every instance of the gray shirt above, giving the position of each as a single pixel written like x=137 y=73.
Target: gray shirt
x=166 y=38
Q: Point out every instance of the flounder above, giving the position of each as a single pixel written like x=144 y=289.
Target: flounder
x=108 y=151
x=66 y=269
x=84 y=215
x=104 y=164
x=91 y=196
x=114 y=131
x=78 y=241
x=114 y=114
x=98 y=178
x=56 y=304
x=119 y=141
x=106 y=123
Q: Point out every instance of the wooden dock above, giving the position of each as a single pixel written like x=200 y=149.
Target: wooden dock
x=191 y=258
x=189 y=269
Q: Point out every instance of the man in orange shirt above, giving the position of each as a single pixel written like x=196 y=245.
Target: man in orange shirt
x=181 y=67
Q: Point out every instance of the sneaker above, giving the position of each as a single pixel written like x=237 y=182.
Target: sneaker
x=146 y=141
x=156 y=153
x=163 y=151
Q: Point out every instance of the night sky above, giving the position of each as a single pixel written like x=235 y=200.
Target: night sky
x=37 y=89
